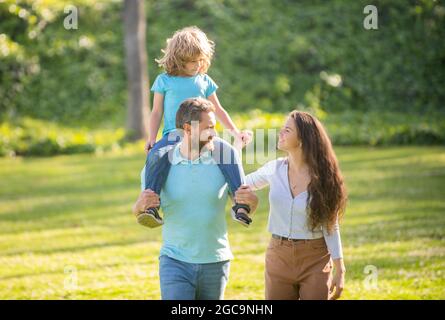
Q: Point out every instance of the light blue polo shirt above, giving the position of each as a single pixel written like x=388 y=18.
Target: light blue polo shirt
x=193 y=202
x=176 y=89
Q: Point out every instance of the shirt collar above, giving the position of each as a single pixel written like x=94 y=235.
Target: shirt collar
x=177 y=158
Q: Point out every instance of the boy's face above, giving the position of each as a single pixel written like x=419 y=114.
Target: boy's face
x=193 y=67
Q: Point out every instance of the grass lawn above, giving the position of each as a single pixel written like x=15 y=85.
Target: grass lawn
x=66 y=231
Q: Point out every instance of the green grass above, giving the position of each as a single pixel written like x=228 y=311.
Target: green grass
x=73 y=213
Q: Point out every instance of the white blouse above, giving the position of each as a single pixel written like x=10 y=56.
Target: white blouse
x=288 y=215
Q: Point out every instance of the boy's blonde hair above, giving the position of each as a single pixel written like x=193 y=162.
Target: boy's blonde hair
x=186 y=44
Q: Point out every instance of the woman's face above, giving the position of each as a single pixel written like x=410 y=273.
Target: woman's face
x=288 y=139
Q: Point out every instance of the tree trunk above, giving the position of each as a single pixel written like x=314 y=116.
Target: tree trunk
x=138 y=107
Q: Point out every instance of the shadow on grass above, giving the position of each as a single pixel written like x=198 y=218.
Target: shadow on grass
x=80 y=269
x=78 y=248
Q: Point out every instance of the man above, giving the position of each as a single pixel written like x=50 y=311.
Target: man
x=195 y=255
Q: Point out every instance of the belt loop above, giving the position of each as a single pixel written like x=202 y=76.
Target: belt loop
x=281 y=241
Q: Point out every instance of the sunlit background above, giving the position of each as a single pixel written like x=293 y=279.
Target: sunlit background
x=70 y=159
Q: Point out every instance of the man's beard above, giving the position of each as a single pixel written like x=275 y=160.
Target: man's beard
x=206 y=144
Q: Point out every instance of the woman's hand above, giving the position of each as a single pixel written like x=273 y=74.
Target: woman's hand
x=245 y=195
x=338 y=280
x=147 y=199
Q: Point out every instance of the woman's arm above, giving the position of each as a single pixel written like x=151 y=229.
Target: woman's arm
x=260 y=178
x=155 y=118
x=333 y=242
x=254 y=181
x=338 y=280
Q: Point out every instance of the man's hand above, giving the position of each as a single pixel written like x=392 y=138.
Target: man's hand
x=245 y=195
x=147 y=199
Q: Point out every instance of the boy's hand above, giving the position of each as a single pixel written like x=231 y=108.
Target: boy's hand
x=148 y=145
x=245 y=136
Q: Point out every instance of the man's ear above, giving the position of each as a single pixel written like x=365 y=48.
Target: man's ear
x=187 y=128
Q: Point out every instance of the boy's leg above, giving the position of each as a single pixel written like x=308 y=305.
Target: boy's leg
x=231 y=167
x=157 y=167
x=156 y=171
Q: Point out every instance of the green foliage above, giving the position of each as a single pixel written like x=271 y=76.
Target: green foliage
x=70 y=76
x=40 y=138
x=385 y=128
x=270 y=55
x=277 y=55
x=357 y=128
x=27 y=136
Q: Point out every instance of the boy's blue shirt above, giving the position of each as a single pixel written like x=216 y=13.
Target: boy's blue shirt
x=176 y=89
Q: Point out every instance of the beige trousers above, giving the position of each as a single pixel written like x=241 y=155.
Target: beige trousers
x=298 y=270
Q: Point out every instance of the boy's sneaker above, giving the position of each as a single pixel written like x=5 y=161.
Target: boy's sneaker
x=243 y=218
x=150 y=218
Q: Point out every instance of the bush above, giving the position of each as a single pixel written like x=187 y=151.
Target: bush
x=30 y=137
x=357 y=128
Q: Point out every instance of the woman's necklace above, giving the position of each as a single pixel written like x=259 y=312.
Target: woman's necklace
x=293 y=186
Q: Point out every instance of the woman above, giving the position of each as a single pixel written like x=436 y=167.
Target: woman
x=307 y=198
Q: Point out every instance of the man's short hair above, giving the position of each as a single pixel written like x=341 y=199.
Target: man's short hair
x=191 y=109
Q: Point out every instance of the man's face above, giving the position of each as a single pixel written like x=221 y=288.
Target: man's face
x=205 y=132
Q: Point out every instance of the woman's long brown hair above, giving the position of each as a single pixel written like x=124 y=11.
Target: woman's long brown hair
x=326 y=191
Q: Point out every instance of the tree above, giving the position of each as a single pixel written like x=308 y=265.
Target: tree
x=138 y=107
